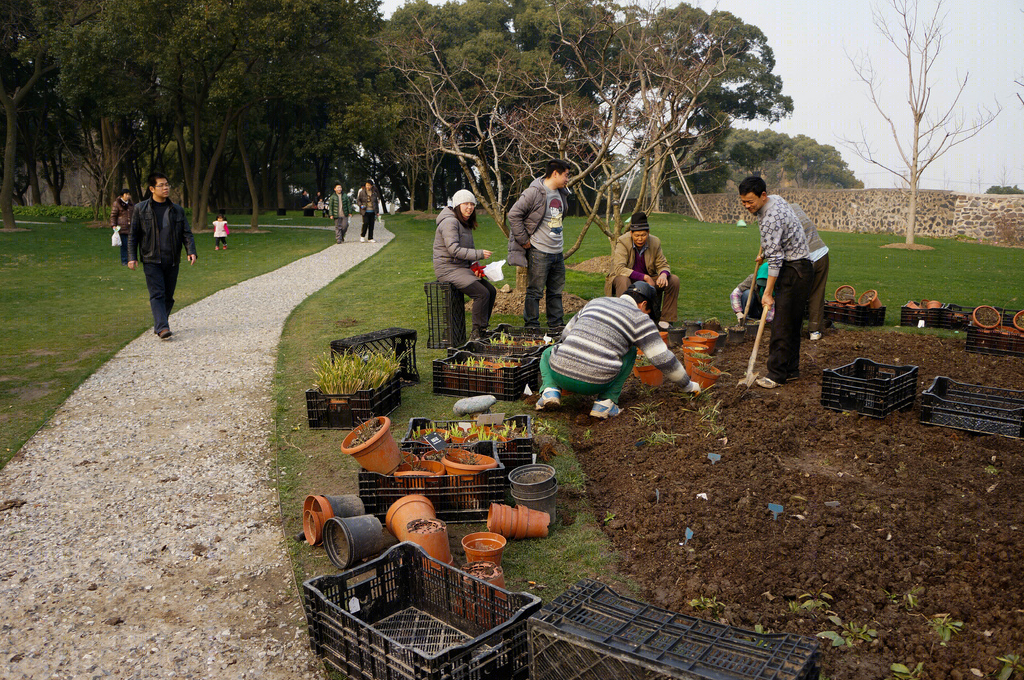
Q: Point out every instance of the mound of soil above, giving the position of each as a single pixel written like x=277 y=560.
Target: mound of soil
x=895 y=521
x=595 y=265
x=511 y=302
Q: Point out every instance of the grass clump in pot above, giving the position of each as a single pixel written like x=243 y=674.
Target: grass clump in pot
x=349 y=373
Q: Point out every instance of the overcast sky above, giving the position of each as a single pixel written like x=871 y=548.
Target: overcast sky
x=811 y=40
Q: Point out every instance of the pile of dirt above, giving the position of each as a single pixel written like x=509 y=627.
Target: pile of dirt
x=510 y=301
x=595 y=265
x=887 y=523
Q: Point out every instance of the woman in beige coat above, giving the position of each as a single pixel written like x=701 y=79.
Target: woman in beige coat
x=455 y=258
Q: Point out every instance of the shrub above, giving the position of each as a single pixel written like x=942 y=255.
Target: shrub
x=71 y=212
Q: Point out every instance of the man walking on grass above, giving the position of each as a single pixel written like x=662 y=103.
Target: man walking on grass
x=790 y=275
x=339 y=205
x=159 y=231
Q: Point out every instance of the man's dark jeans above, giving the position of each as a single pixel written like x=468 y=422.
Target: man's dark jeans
x=161 y=280
x=792 y=289
x=545 y=270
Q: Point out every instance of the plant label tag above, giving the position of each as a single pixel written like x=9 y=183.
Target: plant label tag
x=435 y=441
x=920 y=323
x=353 y=605
x=689 y=535
x=776 y=510
x=831 y=504
x=714 y=457
x=490 y=419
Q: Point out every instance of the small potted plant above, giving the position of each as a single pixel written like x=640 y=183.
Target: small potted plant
x=648 y=374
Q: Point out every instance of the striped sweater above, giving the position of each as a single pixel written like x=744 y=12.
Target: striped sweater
x=596 y=339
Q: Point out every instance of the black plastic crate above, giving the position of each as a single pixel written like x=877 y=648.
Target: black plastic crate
x=854 y=315
x=871 y=389
x=446 y=315
x=1002 y=343
x=933 y=318
x=345 y=411
x=532 y=332
x=487 y=348
x=512 y=453
x=507 y=384
x=976 y=408
x=590 y=632
x=406 y=616
x=401 y=341
x=956 y=317
x=456 y=498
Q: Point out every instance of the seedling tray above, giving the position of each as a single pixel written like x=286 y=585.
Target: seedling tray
x=512 y=453
x=531 y=332
x=345 y=411
x=868 y=388
x=976 y=408
x=406 y=616
x=854 y=315
x=486 y=348
x=590 y=632
x=456 y=498
x=507 y=384
x=1002 y=343
x=401 y=341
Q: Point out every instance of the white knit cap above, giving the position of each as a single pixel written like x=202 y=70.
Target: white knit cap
x=463 y=196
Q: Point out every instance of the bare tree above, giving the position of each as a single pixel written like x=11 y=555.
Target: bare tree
x=919 y=42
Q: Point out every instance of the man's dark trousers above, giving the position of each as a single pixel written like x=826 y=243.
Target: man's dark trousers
x=545 y=274
x=161 y=278
x=792 y=289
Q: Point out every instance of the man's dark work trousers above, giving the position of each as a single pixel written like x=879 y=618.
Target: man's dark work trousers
x=792 y=289
x=161 y=280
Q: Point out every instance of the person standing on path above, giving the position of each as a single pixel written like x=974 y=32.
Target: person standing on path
x=455 y=258
x=790 y=274
x=368 y=201
x=220 y=233
x=638 y=257
x=121 y=220
x=819 y=259
x=535 y=241
x=339 y=206
x=159 y=231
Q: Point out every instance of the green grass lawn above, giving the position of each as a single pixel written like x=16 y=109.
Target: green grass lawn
x=67 y=306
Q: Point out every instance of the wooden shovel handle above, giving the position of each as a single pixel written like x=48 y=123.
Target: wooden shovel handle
x=757 y=342
x=753 y=289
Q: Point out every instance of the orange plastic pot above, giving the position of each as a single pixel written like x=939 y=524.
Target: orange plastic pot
x=405 y=510
x=315 y=511
x=931 y=304
x=705 y=375
x=420 y=468
x=462 y=462
x=869 y=298
x=664 y=336
x=1018 y=321
x=703 y=344
x=846 y=295
x=379 y=453
x=486 y=571
x=518 y=522
x=432 y=536
x=649 y=375
x=985 y=316
x=484 y=546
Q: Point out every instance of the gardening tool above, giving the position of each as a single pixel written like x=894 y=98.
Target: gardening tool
x=749 y=378
x=750 y=293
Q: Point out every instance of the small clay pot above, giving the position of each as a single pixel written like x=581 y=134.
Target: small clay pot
x=426 y=468
x=518 y=522
x=649 y=375
x=406 y=509
x=705 y=375
x=869 y=299
x=1018 y=321
x=378 y=454
x=985 y=316
x=845 y=295
x=432 y=536
x=931 y=304
x=484 y=546
x=456 y=462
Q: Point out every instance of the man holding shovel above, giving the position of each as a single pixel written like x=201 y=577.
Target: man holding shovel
x=790 y=275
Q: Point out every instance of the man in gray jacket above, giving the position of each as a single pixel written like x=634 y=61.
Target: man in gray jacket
x=535 y=241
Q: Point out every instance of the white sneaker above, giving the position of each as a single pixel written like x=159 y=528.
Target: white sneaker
x=362 y=239
x=816 y=335
x=372 y=241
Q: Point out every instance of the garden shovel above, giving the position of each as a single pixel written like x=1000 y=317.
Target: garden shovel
x=749 y=378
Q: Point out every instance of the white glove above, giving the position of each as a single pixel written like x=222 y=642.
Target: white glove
x=692 y=386
x=739 y=317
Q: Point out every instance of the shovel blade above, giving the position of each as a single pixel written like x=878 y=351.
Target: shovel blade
x=748 y=380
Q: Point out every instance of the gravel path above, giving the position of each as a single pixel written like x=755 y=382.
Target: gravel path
x=149 y=543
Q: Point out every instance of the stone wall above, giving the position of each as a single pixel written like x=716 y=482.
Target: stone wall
x=883 y=211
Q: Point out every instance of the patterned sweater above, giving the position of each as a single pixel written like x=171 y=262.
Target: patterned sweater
x=596 y=339
x=782 y=235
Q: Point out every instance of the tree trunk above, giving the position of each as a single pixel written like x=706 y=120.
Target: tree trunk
x=200 y=207
x=279 y=170
x=7 y=188
x=254 y=221
x=186 y=166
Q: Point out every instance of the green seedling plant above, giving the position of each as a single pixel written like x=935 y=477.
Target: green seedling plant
x=899 y=671
x=945 y=626
x=609 y=516
x=710 y=605
x=661 y=437
x=849 y=634
x=992 y=469
x=909 y=599
x=709 y=414
x=811 y=602
x=644 y=415
x=1012 y=663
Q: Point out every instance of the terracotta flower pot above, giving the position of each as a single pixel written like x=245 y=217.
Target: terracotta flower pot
x=432 y=536
x=913 y=305
x=406 y=509
x=985 y=316
x=316 y=510
x=846 y=295
x=420 y=468
x=484 y=546
x=649 y=375
x=931 y=304
x=518 y=522
x=869 y=298
x=1018 y=321
x=486 y=571
x=462 y=462
x=706 y=344
x=705 y=375
x=377 y=454
x=664 y=336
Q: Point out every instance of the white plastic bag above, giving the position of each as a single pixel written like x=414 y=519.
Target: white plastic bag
x=493 y=271
x=115 y=240
x=380 y=222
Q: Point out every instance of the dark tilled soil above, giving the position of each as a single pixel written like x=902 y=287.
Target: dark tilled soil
x=922 y=510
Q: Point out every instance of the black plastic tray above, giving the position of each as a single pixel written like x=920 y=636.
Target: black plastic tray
x=507 y=384
x=868 y=388
x=345 y=411
x=401 y=341
x=976 y=408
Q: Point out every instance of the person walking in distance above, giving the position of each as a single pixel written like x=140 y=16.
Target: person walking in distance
x=535 y=241
x=159 y=230
x=339 y=206
x=121 y=220
x=368 y=201
x=220 y=233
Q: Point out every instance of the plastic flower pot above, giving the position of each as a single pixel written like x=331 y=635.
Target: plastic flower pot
x=421 y=468
x=846 y=295
x=380 y=452
x=462 y=462
x=483 y=546
x=1018 y=321
x=348 y=540
x=664 y=336
x=985 y=316
x=913 y=305
x=406 y=509
x=533 y=478
x=316 y=510
x=675 y=336
x=692 y=326
x=931 y=304
x=545 y=501
x=649 y=375
x=518 y=522
x=706 y=344
x=869 y=299
x=486 y=571
x=432 y=536
x=705 y=375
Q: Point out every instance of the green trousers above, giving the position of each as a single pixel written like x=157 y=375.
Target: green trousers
x=611 y=390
